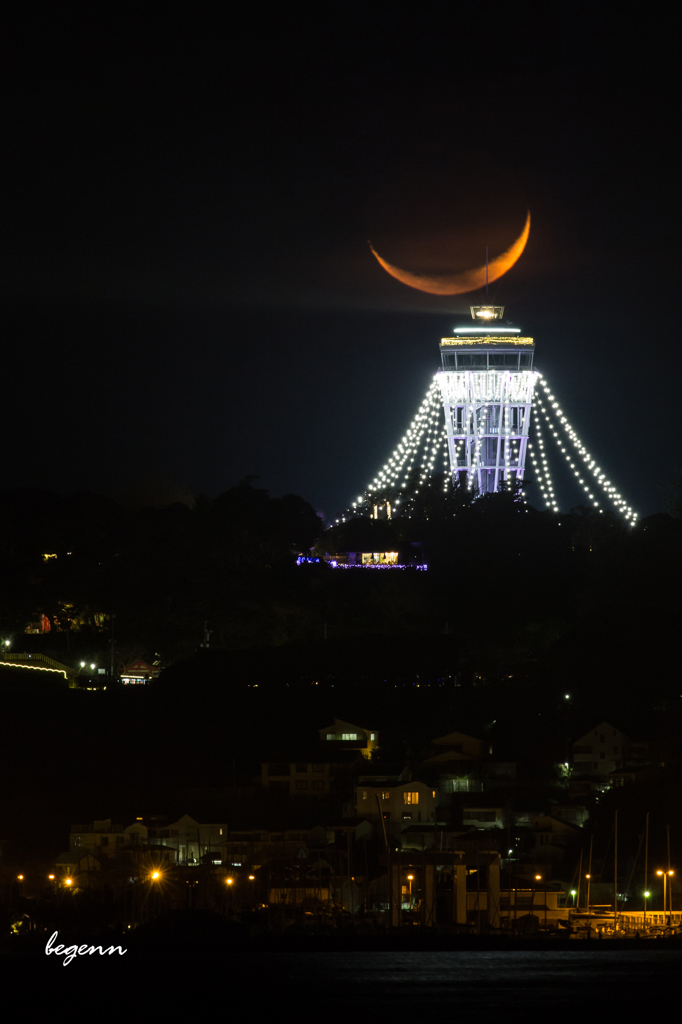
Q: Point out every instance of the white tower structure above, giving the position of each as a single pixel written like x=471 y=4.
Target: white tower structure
x=486 y=386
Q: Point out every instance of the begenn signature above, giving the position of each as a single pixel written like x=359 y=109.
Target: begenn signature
x=69 y=952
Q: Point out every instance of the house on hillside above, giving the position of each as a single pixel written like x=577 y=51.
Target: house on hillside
x=139 y=672
x=345 y=736
x=458 y=746
x=458 y=757
x=398 y=803
x=296 y=778
x=552 y=835
x=601 y=751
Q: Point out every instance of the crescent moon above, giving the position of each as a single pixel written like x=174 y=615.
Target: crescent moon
x=467 y=280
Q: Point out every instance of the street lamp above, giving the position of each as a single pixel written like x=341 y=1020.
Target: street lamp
x=665 y=879
x=410 y=879
x=588 y=877
x=538 y=878
x=573 y=894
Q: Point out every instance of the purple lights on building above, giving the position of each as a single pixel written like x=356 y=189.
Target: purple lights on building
x=342 y=562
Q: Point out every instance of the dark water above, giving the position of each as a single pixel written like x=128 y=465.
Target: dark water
x=496 y=985
x=505 y=986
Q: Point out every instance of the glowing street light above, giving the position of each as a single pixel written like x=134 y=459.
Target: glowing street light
x=68 y=881
x=410 y=879
x=20 y=878
x=229 y=881
x=538 y=878
x=155 y=875
x=665 y=879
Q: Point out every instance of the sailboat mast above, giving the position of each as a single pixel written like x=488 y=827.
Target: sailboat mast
x=615 y=870
x=670 y=878
x=646 y=863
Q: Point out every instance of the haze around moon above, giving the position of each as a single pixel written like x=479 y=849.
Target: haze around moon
x=463 y=281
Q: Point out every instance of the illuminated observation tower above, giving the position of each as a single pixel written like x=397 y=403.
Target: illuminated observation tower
x=486 y=387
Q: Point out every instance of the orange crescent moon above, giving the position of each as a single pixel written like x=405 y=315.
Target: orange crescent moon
x=467 y=280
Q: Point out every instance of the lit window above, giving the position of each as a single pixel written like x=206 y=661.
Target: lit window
x=372 y=736
x=434 y=794
x=364 y=794
x=349 y=735
x=331 y=736
x=410 y=798
x=386 y=795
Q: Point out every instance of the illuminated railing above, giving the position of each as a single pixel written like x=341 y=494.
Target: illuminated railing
x=373 y=565
x=39 y=662
x=333 y=564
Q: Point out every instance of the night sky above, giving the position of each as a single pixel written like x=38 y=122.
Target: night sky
x=188 y=293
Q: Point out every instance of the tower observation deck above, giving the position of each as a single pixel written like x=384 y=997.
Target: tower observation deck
x=486 y=386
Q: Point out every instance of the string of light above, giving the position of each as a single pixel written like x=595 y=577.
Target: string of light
x=482 y=414
x=543 y=474
x=418 y=450
x=607 y=487
x=418 y=447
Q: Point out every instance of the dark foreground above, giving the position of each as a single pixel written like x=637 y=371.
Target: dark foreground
x=390 y=977
x=484 y=984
